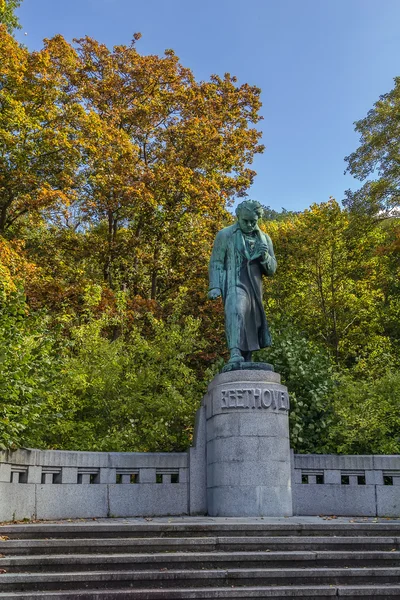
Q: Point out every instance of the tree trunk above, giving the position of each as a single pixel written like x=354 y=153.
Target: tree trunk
x=111 y=237
x=154 y=274
x=3 y=217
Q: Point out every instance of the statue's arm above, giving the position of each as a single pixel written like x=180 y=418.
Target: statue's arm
x=216 y=266
x=268 y=263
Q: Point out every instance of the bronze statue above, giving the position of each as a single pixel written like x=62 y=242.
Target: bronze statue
x=241 y=255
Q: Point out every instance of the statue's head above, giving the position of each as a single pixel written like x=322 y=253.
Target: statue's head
x=248 y=213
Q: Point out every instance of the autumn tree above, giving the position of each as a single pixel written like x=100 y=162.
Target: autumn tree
x=7 y=14
x=15 y=269
x=116 y=171
x=163 y=155
x=378 y=156
x=39 y=154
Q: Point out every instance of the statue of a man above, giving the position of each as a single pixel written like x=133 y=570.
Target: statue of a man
x=241 y=255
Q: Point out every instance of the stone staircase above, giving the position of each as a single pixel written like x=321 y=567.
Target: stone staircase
x=200 y=558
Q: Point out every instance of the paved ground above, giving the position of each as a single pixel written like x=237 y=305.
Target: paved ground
x=216 y=520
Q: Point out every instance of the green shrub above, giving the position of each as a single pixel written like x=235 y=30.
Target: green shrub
x=29 y=370
x=366 y=415
x=307 y=372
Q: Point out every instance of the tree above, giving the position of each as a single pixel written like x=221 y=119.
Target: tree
x=29 y=369
x=389 y=255
x=39 y=152
x=273 y=215
x=163 y=154
x=378 y=154
x=307 y=371
x=15 y=268
x=7 y=14
x=366 y=415
x=136 y=393
x=331 y=285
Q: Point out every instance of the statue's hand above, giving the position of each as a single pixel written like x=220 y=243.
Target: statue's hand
x=214 y=293
x=260 y=251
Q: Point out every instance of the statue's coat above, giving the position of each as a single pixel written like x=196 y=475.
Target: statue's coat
x=239 y=278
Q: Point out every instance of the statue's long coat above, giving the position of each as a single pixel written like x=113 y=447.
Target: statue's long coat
x=239 y=278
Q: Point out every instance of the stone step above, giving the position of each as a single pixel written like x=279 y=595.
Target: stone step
x=197 y=560
x=190 y=544
x=179 y=561
x=198 y=578
x=382 y=592
x=105 y=529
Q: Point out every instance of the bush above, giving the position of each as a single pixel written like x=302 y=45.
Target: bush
x=366 y=415
x=135 y=393
x=307 y=372
x=29 y=369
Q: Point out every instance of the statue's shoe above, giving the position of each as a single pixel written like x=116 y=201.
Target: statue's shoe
x=236 y=358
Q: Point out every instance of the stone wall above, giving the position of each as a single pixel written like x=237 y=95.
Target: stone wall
x=346 y=485
x=52 y=484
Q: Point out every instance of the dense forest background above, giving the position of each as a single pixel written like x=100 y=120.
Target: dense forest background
x=116 y=171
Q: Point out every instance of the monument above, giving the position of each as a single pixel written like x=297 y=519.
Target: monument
x=241 y=255
x=245 y=412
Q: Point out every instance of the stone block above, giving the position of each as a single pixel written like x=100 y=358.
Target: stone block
x=276 y=425
x=146 y=460
x=199 y=434
x=183 y=475
x=247 y=398
x=197 y=467
x=17 y=501
x=248 y=473
x=68 y=458
x=243 y=376
x=388 y=500
x=224 y=426
x=34 y=474
x=276 y=501
x=332 y=476
x=197 y=483
x=71 y=501
x=148 y=500
x=333 y=462
x=247 y=448
x=245 y=424
x=247 y=501
x=296 y=476
x=15 y=475
x=69 y=475
x=5 y=472
x=22 y=457
x=274 y=448
x=386 y=463
x=234 y=448
x=332 y=499
x=147 y=476
x=107 y=475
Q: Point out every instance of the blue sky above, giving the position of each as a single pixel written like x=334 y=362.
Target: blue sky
x=321 y=65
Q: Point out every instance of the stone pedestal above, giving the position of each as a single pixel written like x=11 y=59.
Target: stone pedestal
x=247 y=445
